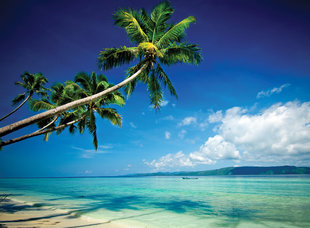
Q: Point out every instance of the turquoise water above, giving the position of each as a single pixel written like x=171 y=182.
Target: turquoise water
x=270 y=201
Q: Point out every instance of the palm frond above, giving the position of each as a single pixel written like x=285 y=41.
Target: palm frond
x=118 y=99
x=132 y=22
x=38 y=105
x=91 y=126
x=181 y=53
x=72 y=129
x=155 y=91
x=114 y=57
x=160 y=15
x=19 y=98
x=166 y=81
x=57 y=94
x=102 y=83
x=148 y=24
x=73 y=91
x=110 y=114
x=81 y=125
x=175 y=33
x=84 y=80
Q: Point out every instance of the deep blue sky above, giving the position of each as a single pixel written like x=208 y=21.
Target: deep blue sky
x=247 y=103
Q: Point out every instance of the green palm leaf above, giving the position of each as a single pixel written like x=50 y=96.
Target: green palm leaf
x=181 y=53
x=114 y=57
x=155 y=91
x=132 y=22
x=18 y=98
x=39 y=105
x=110 y=114
x=175 y=33
x=165 y=79
x=83 y=79
x=160 y=15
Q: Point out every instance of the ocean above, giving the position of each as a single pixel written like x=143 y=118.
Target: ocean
x=213 y=201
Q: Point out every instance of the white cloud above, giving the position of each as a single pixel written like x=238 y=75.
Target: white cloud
x=132 y=125
x=215 y=148
x=182 y=134
x=279 y=134
x=90 y=153
x=167 y=135
x=188 y=121
x=275 y=90
x=170 y=160
x=215 y=117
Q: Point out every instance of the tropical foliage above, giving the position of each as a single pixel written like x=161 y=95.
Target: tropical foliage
x=84 y=85
x=81 y=117
x=158 y=42
x=33 y=84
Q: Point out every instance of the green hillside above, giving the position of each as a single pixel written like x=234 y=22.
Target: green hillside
x=245 y=170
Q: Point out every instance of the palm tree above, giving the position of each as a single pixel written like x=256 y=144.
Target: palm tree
x=33 y=83
x=84 y=116
x=157 y=42
x=87 y=85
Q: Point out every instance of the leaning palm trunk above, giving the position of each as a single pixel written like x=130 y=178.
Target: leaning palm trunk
x=41 y=132
x=33 y=119
x=2 y=118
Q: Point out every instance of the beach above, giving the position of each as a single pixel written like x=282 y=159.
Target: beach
x=18 y=214
x=155 y=202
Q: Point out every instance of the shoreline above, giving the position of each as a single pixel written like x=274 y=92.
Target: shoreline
x=14 y=213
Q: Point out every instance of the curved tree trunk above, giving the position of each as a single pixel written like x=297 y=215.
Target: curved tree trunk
x=18 y=107
x=23 y=123
x=36 y=133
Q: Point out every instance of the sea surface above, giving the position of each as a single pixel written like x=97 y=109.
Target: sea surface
x=214 y=201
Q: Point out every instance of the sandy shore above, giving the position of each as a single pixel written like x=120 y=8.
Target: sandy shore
x=17 y=214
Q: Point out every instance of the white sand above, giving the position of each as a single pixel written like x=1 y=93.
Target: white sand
x=17 y=214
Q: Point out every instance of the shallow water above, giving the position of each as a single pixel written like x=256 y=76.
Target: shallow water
x=215 y=201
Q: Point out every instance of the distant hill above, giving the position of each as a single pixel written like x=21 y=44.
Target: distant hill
x=245 y=170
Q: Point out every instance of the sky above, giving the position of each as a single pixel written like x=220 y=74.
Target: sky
x=247 y=103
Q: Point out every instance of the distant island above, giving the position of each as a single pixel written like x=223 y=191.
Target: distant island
x=244 y=170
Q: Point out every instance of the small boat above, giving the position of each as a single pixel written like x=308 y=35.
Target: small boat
x=189 y=178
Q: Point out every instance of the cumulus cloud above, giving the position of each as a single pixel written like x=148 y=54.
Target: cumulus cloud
x=188 y=121
x=170 y=160
x=215 y=117
x=275 y=90
x=167 y=135
x=279 y=134
x=215 y=148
